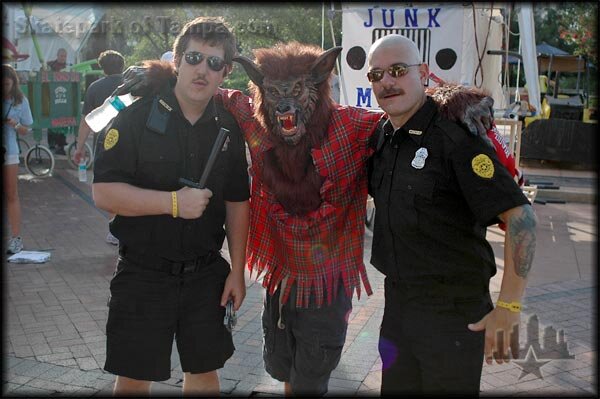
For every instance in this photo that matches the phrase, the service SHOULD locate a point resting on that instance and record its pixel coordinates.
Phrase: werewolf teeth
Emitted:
(288, 122)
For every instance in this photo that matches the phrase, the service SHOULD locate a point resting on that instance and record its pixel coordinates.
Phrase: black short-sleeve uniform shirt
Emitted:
(99, 91)
(436, 189)
(130, 152)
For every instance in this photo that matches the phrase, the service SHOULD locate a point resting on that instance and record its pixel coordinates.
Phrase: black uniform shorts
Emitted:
(425, 344)
(309, 346)
(147, 308)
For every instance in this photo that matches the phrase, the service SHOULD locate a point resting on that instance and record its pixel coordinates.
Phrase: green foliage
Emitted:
(579, 28)
(572, 27)
(237, 79)
(146, 33)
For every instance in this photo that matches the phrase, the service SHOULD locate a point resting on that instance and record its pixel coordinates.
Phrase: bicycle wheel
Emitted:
(39, 161)
(89, 159)
(23, 146)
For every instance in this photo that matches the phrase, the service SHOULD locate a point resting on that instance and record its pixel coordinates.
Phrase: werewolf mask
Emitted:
(288, 86)
(292, 102)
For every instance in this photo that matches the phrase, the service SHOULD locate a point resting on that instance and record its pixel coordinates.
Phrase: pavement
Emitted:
(55, 313)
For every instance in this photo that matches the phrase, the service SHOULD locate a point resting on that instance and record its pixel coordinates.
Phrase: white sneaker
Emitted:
(112, 239)
(15, 245)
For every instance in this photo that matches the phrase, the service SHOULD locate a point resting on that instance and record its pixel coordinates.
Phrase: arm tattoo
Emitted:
(522, 239)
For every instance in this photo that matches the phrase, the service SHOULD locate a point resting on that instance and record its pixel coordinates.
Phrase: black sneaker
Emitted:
(59, 150)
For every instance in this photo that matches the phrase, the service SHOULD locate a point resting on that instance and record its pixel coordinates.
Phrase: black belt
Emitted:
(173, 267)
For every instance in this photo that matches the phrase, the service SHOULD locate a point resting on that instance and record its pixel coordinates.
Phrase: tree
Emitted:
(572, 27)
(578, 27)
(136, 34)
(264, 25)
(141, 34)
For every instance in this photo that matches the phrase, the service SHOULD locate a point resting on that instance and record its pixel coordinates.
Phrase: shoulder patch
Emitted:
(111, 139)
(483, 166)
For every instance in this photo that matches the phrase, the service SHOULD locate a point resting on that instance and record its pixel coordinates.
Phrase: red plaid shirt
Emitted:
(316, 250)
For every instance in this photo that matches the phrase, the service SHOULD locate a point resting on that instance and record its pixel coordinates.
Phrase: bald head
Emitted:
(400, 44)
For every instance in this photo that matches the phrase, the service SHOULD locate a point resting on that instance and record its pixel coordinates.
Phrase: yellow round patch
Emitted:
(112, 136)
(483, 166)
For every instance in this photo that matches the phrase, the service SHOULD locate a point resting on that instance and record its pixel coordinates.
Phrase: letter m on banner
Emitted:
(363, 97)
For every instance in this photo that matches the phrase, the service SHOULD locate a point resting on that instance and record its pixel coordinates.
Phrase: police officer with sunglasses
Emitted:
(171, 281)
(436, 189)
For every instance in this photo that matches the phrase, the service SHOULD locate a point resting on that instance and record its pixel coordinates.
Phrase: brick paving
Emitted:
(55, 313)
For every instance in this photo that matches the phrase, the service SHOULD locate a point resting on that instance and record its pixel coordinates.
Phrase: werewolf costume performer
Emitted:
(309, 190)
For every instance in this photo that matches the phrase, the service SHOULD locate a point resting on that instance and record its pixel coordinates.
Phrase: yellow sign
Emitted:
(483, 166)
(112, 136)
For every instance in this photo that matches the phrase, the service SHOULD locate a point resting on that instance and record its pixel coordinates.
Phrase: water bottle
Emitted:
(82, 171)
(101, 116)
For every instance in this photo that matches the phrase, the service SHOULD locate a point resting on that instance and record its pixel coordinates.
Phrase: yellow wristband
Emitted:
(174, 203)
(513, 306)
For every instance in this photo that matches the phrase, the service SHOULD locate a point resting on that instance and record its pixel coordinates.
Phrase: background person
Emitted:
(16, 120)
(57, 137)
(436, 189)
(60, 62)
(112, 63)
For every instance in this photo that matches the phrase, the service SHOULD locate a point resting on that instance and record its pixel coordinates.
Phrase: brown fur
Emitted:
(288, 169)
(158, 74)
(453, 99)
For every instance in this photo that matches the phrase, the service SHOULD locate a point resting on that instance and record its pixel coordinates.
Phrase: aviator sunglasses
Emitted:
(195, 57)
(395, 71)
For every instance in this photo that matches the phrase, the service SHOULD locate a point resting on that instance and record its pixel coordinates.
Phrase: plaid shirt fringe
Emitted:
(316, 250)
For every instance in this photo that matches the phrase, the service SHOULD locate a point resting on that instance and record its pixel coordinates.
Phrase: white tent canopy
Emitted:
(56, 25)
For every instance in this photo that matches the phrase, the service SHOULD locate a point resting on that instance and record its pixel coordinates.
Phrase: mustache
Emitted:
(200, 79)
(390, 92)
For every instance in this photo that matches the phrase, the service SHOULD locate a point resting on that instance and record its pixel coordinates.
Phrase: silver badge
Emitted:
(419, 160)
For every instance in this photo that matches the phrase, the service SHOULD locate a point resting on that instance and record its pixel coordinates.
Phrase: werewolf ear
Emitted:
(251, 69)
(322, 67)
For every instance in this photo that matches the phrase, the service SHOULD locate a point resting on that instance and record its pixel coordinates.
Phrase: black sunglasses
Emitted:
(395, 71)
(195, 57)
